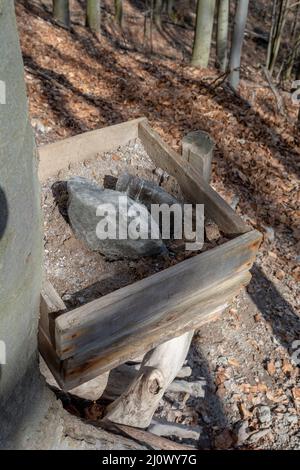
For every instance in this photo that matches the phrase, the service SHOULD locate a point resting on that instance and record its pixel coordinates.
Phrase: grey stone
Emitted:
(85, 197)
(293, 419)
(264, 414)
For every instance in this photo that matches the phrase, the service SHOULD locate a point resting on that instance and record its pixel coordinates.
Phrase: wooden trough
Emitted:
(81, 344)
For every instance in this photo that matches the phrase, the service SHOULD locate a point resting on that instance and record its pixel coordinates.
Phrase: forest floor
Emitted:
(76, 83)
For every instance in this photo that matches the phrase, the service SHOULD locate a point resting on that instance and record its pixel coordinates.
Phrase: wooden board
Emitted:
(192, 183)
(55, 157)
(187, 316)
(120, 312)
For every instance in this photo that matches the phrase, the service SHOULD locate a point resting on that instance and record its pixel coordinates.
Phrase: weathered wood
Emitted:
(51, 306)
(192, 183)
(175, 430)
(121, 377)
(122, 313)
(197, 149)
(86, 342)
(137, 405)
(188, 316)
(144, 437)
(54, 157)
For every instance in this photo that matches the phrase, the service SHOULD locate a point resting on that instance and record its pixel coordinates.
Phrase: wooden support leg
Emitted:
(197, 148)
(137, 405)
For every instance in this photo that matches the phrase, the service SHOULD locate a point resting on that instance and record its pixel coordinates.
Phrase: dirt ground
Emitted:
(249, 357)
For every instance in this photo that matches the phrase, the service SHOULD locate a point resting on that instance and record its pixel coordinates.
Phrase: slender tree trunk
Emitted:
(295, 40)
(272, 33)
(119, 12)
(237, 42)
(93, 16)
(222, 34)
(203, 32)
(170, 8)
(61, 12)
(158, 8)
(279, 16)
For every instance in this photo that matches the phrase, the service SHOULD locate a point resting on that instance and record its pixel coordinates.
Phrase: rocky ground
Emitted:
(249, 357)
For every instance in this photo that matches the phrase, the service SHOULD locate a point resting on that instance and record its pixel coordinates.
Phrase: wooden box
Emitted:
(80, 344)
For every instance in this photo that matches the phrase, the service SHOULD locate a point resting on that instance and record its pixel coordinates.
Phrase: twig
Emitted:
(278, 97)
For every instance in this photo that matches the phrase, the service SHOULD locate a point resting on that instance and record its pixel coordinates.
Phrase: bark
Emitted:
(23, 399)
(119, 12)
(222, 34)
(93, 16)
(203, 32)
(61, 12)
(30, 415)
(237, 42)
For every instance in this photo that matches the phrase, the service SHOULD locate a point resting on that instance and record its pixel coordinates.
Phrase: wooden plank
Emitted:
(102, 321)
(51, 305)
(50, 357)
(191, 181)
(185, 317)
(59, 155)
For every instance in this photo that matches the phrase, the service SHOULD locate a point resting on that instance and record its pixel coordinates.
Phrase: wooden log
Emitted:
(192, 183)
(137, 405)
(197, 149)
(146, 438)
(190, 315)
(100, 323)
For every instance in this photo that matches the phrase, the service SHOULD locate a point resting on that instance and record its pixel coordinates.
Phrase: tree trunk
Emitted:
(119, 12)
(203, 32)
(61, 12)
(279, 16)
(295, 40)
(222, 34)
(20, 244)
(170, 8)
(158, 8)
(237, 42)
(93, 16)
(30, 415)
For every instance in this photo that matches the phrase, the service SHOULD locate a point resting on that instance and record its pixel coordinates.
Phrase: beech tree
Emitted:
(222, 34)
(240, 19)
(31, 417)
(93, 16)
(203, 32)
(61, 12)
(158, 9)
